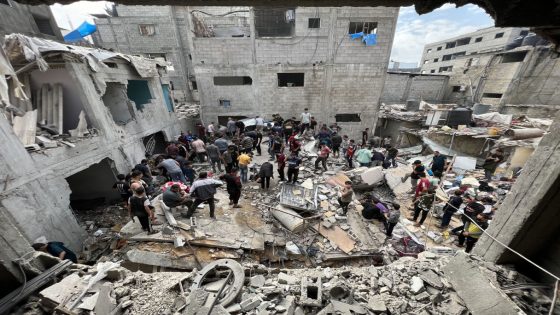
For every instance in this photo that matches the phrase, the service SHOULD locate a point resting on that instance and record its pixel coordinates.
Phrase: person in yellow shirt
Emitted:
(244, 160)
(472, 231)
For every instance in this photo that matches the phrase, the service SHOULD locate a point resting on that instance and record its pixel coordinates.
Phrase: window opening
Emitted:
(366, 27)
(290, 79)
(314, 23)
(147, 29)
(245, 80)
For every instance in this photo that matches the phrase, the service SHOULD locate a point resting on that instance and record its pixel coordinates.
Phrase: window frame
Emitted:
(363, 27)
(312, 25)
(141, 26)
(499, 35)
(288, 82)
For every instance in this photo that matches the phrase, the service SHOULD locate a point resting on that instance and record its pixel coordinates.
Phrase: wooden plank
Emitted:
(337, 236)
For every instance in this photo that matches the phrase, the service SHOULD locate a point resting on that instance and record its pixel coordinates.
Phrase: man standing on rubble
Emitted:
(377, 158)
(491, 163)
(451, 207)
(259, 122)
(221, 143)
(349, 154)
(438, 163)
(244, 160)
(281, 160)
(199, 148)
(293, 167)
(324, 152)
(203, 190)
(211, 129)
(139, 206)
(305, 120)
(417, 169)
(295, 146)
(233, 185)
(470, 212)
(423, 204)
(365, 136)
(346, 196)
(231, 127)
(473, 231)
(392, 153)
(336, 140)
(247, 142)
(214, 157)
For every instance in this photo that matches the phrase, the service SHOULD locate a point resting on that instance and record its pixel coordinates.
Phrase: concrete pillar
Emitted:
(44, 104)
(527, 220)
(60, 107)
(289, 218)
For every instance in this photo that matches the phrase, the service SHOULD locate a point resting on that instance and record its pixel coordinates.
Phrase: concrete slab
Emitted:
(160, 259)
(480, 295)
(373, 175)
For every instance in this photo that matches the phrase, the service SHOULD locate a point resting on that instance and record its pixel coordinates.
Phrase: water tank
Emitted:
(480, 109)
(459, 116)
(530, 40)
(516, 42)
(412, 105)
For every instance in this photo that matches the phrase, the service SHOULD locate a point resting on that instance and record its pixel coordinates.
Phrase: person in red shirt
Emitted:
(295, 146)
(281, 160)
(324, 151)
(423, 185)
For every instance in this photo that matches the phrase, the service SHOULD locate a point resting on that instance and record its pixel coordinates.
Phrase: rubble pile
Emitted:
(186, 110)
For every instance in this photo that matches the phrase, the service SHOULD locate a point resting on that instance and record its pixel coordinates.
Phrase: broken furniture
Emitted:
(299, 197)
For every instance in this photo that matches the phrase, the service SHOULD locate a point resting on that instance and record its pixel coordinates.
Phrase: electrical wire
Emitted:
(228, 13)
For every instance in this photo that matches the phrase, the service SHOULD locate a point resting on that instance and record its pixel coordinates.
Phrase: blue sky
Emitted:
(413, 30)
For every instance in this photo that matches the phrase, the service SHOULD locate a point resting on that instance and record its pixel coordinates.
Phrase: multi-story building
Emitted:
(439, 57)
(33, 20)
(245, 61)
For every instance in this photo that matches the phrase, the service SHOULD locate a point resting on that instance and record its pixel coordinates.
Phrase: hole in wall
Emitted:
(116, 99)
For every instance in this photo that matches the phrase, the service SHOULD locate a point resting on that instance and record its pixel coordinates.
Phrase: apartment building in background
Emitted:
(246, 61)
(31, 20)
(439, 57)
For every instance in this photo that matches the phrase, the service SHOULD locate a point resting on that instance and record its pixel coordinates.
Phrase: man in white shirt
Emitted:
(211, 129)
(259, 123)
(305, 120)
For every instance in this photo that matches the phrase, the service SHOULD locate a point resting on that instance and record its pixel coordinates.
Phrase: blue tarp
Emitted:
(82, 31)
(370, 39)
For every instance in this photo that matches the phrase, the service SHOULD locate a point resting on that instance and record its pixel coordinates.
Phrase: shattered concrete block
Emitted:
(343, 308)
(195, 300)
(284, 278)
(250, 304)
(287, 306)
(424, 296)
(167, 230)
(257, 281)
(327, 224)
(416, 285)
(431, 278)
(126, 304)
(376, 304)
(311, 292)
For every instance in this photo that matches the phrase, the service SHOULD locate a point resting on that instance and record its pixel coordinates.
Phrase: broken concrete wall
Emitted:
(400, 87)
(392, 128)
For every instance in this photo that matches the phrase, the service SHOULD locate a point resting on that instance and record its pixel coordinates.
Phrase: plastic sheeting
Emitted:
(368, 39)
(82, 31)
(495, 117)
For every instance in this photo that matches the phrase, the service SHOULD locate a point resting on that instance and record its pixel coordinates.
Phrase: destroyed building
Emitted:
(245, 61)
(89, 115)
(31, 20)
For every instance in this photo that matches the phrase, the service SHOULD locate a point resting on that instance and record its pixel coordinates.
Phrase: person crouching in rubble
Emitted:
(139, 206)
(423, 204)
(265, 173)
(371, 211)
(473, 231)
(203, 190)
(346, 196)
(175, 197)
(233, 185)
(56, 249)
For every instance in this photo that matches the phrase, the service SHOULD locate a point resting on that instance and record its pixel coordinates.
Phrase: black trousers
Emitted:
(323, 161)
(234, 196)
(145, 222)
(389, 228)
(417, 211)
(343, 205)
(281, 173)
(265, 182)
(293, 174)
(470, 242)
(197, 202)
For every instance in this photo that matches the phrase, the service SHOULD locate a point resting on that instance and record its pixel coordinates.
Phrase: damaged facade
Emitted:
(90, 115)
(244, 61)
(30, 20)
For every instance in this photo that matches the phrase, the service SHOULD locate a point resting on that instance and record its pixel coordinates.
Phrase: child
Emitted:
(190, 173)
(346, 196)
(123, 187)
(392, 219)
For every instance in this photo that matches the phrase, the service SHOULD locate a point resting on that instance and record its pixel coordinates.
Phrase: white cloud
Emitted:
(444, 7)
(72, 15)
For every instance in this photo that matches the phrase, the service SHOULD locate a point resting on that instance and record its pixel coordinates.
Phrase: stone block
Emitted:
(284, 278)
(376, 304)
(311, 292)
(416, 285)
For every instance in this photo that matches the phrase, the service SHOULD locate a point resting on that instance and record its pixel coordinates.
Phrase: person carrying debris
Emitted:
(265, 173)
(244, 160)
(350, 150)
(281, 160)
(423, 204)
(173, 170)
(203, 190)
(139, 206)
(175, 197)
(233, 185)
(473, 231)
(363, 156)
(491, 163)
(56, 249)
(324, 152)
(346, 196)
(293, 167)
(451, 207)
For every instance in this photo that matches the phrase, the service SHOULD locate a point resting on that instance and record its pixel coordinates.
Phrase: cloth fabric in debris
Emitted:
(495, 117)
(370, 39)
(82, 31)
(357, 35)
